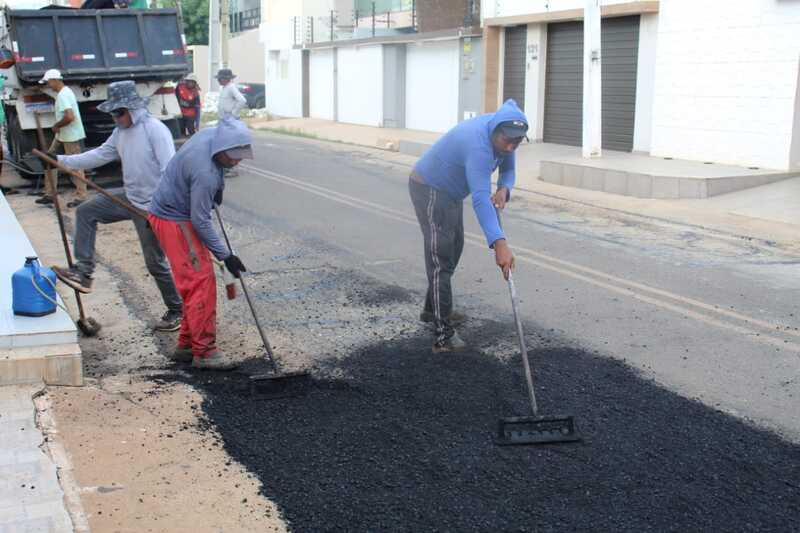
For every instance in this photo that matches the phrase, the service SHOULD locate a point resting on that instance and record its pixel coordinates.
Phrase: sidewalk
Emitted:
(769, 212)
(31, 498)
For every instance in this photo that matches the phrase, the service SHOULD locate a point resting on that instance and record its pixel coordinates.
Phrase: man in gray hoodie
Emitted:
(180, 214)
(144, 145)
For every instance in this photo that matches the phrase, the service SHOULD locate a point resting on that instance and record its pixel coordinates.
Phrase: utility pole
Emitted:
(225, 20)
(592, 80)
(214, 54)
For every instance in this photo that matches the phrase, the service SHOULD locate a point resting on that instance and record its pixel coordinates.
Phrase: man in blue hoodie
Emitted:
(180, 215)
(460, 164)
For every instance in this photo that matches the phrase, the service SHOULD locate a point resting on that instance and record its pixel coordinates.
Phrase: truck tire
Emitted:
(20, 144)
(174, 127)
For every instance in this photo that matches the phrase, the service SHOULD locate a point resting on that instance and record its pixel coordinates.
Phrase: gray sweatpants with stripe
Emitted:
(441, 220)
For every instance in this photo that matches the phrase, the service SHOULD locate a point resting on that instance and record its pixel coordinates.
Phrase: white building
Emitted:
(708, 80)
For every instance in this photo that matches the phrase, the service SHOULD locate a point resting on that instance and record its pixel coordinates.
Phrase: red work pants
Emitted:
(194, 278)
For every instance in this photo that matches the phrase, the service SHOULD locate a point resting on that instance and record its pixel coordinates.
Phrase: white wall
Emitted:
(535, 63)
(507, 8)
(246, 53)
(645, 83)
(321, 84)
(285, 83)
(360, 85)
(432, 85)
(200, 66)
(726, 79)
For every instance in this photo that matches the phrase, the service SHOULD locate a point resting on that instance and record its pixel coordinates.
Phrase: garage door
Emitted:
(514, 65)
(432, 85)
(563, 113)
(563, 96)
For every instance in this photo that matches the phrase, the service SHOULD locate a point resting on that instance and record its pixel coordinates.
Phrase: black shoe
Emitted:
(171, 321)
(74, 278)
(182, 354)
(453, 344)
(44, 200)
(455, 318)
(74, 203)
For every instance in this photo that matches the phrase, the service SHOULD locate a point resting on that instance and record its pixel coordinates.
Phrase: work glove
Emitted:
(234, 265)
(218, 197)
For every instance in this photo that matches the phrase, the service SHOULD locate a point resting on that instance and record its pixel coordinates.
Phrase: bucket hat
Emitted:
(122, 94)
(225, 74)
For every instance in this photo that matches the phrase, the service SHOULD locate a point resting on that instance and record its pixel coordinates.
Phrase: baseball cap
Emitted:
(52, 74)
(513, 129)
(240, 152)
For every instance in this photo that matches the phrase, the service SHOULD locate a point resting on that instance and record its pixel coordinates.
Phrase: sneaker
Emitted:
(182, 354)
(44, 200)
(453, 344)
(74, 203)
(74, 278)
(455, 318)
(171, 321)
(214, 361)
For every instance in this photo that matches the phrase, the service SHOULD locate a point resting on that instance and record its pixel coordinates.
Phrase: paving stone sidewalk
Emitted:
(31, 499)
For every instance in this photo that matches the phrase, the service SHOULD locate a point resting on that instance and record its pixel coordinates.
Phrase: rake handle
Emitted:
(512, 289)
(89, 183)
(260, 328)
(528, 373)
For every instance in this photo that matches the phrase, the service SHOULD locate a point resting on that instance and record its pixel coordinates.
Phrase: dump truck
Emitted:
(91, 48)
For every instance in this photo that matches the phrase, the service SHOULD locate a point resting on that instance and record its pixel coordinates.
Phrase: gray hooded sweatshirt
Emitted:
(192, 180)
(144, 150)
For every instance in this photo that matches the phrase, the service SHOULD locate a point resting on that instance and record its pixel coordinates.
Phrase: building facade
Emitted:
(712, 81)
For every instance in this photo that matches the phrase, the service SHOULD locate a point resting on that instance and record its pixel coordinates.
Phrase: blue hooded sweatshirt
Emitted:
(462, 161)
(192, 179)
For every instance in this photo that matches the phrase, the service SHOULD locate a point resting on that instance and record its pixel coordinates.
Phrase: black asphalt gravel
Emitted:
(404, 443)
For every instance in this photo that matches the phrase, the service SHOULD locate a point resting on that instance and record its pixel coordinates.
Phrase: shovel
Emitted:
(533, 429)
(88, 325)
(276, 384)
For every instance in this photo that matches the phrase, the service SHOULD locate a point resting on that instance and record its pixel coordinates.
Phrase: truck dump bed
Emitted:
(101, 44)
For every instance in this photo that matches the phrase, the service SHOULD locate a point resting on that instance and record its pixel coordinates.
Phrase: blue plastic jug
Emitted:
(33, 289)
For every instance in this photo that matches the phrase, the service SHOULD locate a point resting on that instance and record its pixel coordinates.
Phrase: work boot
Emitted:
(455, 318)
(453, 344)
(171, 321)
(182, 354)
(214, 361)
(74, 278)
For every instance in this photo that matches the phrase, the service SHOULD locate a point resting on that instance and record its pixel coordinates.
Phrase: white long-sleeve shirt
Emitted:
(144, 150)
(231, 102)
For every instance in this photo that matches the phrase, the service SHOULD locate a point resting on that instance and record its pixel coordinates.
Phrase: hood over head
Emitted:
(509, 111)
(231, 133)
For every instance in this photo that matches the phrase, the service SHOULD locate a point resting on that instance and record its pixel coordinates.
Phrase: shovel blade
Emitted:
(274, 386)
(536, 430)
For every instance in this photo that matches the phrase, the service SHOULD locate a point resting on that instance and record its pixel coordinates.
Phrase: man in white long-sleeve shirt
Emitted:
(231, 102)
(144, 146)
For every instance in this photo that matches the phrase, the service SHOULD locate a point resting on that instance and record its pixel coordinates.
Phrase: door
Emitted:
(514, 65)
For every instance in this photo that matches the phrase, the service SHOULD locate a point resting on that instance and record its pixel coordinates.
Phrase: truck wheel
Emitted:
(174, 127)
(21, 143)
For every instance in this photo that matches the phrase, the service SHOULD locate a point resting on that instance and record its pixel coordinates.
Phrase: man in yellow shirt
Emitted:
(69, 133)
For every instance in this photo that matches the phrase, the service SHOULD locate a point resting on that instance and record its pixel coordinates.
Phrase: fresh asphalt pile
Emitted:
(393, 438)
(403, 442)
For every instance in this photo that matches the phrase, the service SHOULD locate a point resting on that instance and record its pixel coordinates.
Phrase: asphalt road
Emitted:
(675, 348)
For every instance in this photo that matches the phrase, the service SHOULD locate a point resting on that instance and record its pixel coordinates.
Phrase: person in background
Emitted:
(69, 133)
(189, 101)
(231, 102)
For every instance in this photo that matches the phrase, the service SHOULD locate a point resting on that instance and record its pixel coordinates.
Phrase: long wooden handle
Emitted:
(125, 205)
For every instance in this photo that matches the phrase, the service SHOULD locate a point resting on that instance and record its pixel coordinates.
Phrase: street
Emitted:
(675, 348)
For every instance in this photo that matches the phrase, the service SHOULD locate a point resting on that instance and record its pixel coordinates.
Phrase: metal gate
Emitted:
(514, 65)
(563, 99)
(563, 112)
